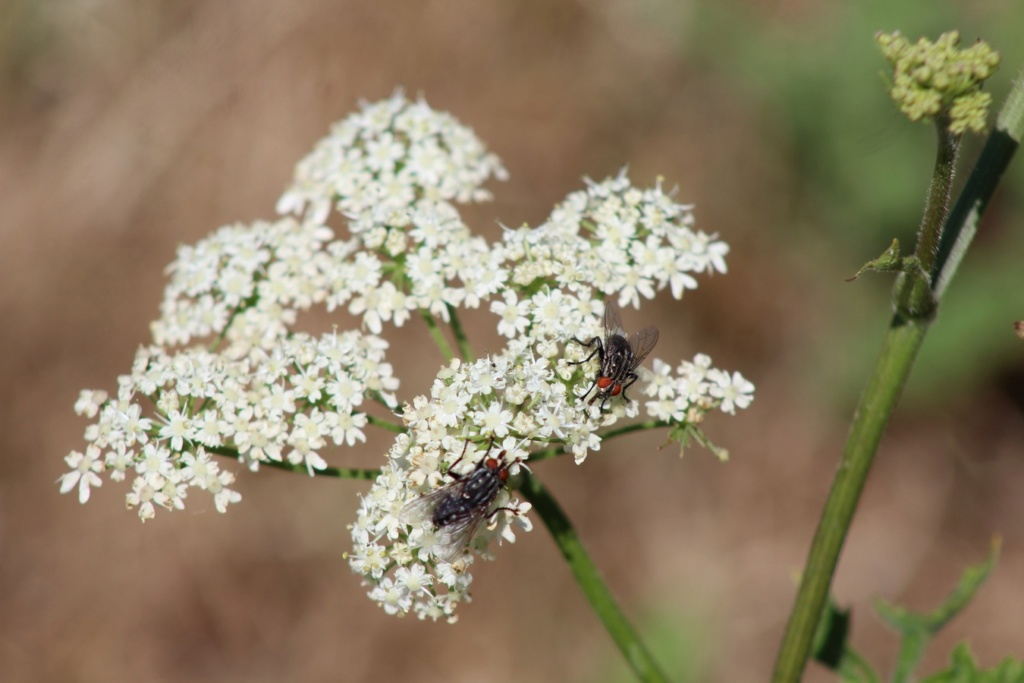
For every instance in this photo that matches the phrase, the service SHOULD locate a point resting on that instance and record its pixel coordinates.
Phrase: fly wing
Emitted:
(419, 510)
(612, 320)
(642, 343)
(453, 537)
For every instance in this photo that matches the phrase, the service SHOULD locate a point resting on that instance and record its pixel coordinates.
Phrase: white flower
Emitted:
(734, 392)
(141, 497)
(85, 469)
(494, 419)
(222, 495)
(177, 428)
(89, 402)
(513, 321)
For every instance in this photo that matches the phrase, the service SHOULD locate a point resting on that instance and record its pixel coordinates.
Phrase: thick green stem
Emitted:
(590, 581)
(899, 348)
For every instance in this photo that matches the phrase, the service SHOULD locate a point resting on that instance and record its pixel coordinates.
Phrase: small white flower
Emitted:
(494, 419)
(89, 402)
(733, 391)
(85, 469)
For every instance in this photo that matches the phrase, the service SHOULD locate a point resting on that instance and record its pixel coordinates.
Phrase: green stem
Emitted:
(438, 335)
(635, 427)
(899, 347)
(385, 424)
(937, 205)
(460, 335)
(590, 581)
(914, 295)
(338, 472)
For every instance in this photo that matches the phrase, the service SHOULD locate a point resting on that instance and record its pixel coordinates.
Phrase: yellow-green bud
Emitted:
(932, 79)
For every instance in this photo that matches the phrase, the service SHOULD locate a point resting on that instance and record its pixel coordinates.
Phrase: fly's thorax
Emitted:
(471, 494)
(618, 358)
(484, 483)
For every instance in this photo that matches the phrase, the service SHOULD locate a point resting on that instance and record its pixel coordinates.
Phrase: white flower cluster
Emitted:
(247, 283)
(384, 160)
(494, 407)
(617, 239)
(282, 408)
(263, 392)
(694, 389)
(392, 171)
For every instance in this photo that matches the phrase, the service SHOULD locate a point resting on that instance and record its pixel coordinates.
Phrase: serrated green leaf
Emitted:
(965, 670)
(917, 630)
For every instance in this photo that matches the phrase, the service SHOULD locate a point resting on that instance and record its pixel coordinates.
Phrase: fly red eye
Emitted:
(491, 463)
(503, 475)
(618, 355)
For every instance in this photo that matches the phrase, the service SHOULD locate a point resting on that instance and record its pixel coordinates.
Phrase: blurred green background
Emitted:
(129, 127)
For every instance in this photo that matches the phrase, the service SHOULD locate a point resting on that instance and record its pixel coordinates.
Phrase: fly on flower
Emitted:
(456, 509)
(619, 356)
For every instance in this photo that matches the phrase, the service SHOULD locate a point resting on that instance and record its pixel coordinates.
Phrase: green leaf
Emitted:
(964, 670)
(889, 261)
(917, 630)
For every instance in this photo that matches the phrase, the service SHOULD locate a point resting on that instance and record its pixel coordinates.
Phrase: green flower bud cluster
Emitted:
(939, 79)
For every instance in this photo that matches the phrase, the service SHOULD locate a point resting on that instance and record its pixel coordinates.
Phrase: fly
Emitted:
(619, 356)
(456, 509)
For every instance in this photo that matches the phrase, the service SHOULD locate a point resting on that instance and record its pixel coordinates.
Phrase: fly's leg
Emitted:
(632, 377)
(492, 515)
(599, 352)
(451, 468)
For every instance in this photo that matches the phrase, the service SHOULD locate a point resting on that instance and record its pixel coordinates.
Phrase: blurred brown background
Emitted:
(130, 127)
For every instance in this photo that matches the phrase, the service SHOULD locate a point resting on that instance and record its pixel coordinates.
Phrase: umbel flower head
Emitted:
(229, 377)
(939, 79)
